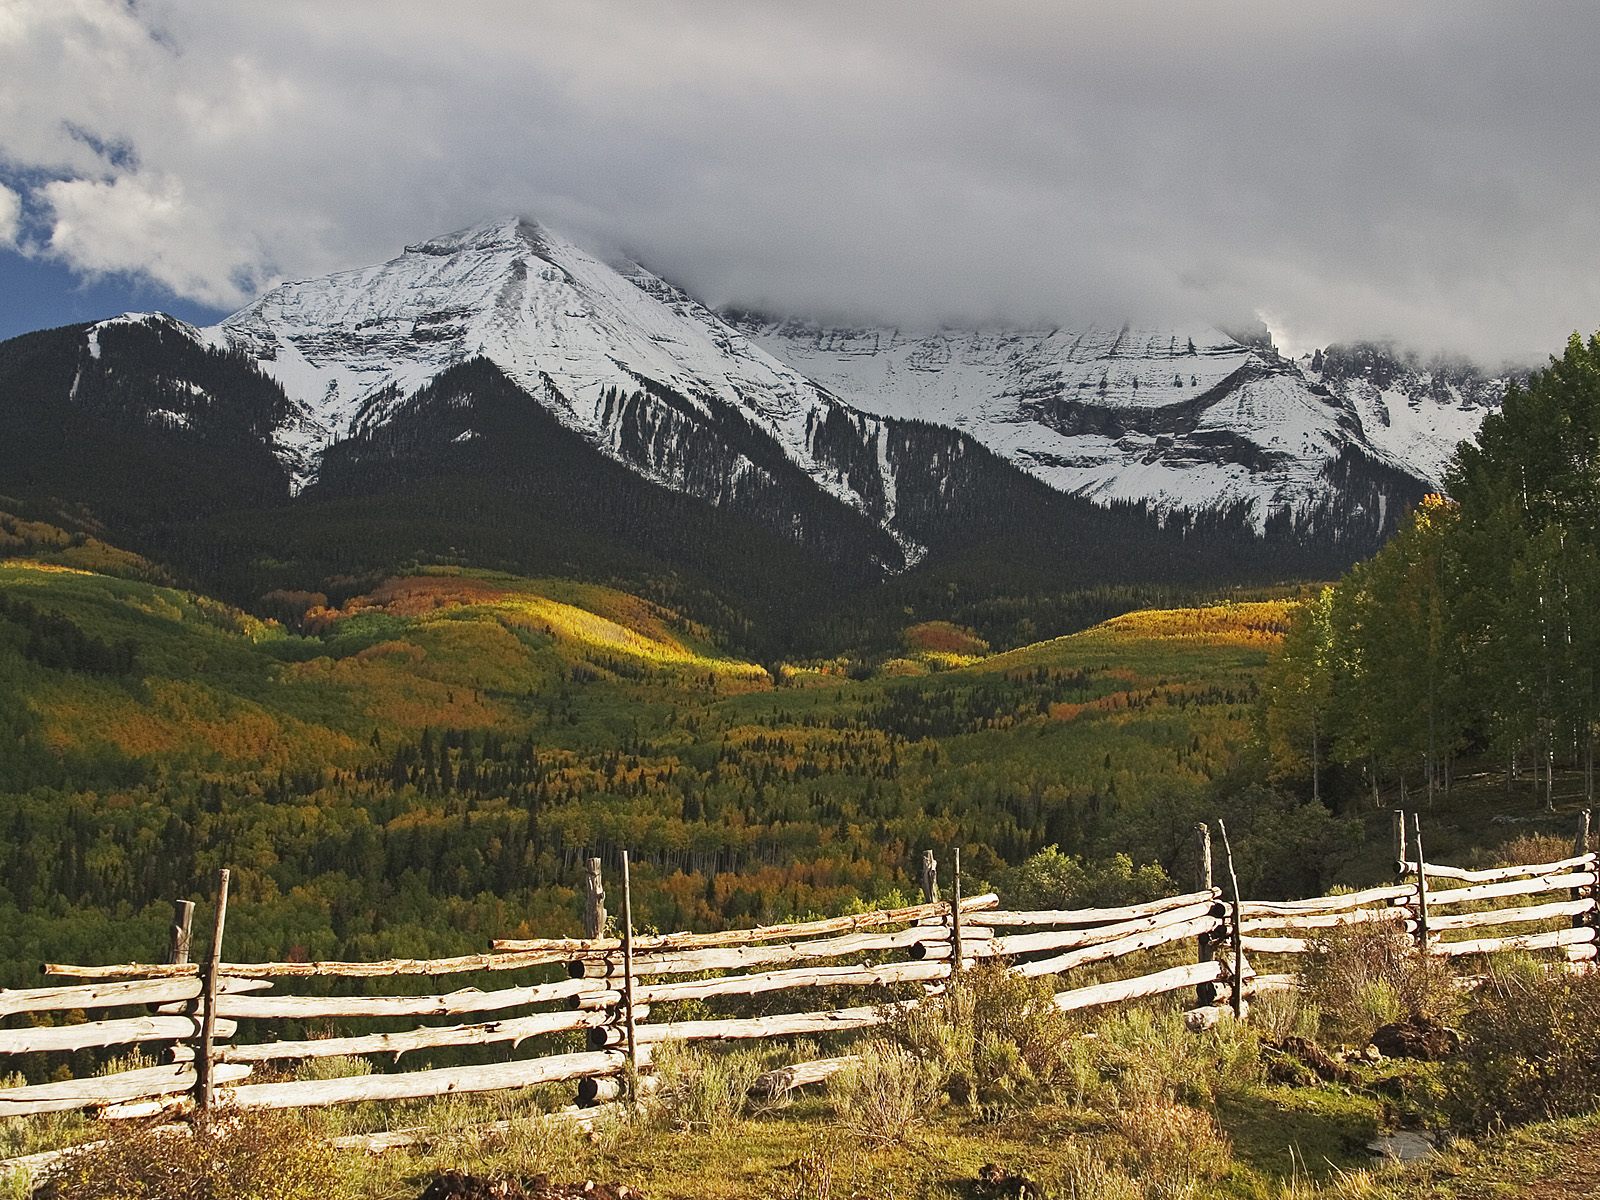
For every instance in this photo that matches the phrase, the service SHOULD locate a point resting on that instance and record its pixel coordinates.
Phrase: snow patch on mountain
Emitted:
(1185, 417)
(721, 406)
(580, 335)
(1415, 411)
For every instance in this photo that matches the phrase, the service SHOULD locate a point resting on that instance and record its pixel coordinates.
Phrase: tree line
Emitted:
(1473, 636)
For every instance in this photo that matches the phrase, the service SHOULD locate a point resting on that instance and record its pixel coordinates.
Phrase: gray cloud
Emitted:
(1426, 171)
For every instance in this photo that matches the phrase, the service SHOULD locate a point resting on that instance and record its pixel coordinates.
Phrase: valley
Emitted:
(424, 766)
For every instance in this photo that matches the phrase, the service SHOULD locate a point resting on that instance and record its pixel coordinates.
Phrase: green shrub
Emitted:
(249, 1156)
(702, 1089)
(1050, 879)
(1176, 1151)
(887, 1093)
(1149, 1058)
(334, 1066)
(1360, 977)
(1283, 1013)
(524, 1144)
(1531, 1048)
(996, 1040)
(1083, 1173)
(46, 1131)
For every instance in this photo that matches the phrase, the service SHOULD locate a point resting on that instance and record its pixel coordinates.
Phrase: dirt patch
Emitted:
(1574, 1176)
(1417, 1038)
(997, 1182)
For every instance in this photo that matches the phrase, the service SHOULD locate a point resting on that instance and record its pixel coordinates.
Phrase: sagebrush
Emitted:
(248, 1156)
(1360, 977)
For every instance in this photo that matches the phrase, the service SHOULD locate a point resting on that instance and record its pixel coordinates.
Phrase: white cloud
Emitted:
(1426, 171)
(10, 215)
(139, 224)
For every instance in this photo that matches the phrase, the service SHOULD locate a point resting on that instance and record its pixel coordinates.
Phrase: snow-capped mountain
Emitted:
(1183, 418)
(1417, 412)
(1179, 418)
(501, 394)
(617, 355)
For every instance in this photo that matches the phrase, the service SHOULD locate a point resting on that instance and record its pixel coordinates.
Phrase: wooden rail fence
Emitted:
(585, 1004)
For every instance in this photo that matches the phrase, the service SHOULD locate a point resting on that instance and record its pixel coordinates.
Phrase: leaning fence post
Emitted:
(179, 935)
(1206, 993)
(929, 877)
(627, 980)
(594, 902)
(204, 1061)
(1422, 882)
(957, 963)
(1237, 923)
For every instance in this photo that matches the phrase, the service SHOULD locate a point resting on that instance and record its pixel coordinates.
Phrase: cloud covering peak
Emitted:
(1425, 171)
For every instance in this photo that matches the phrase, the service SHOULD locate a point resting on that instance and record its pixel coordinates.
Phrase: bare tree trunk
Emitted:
(1549, 775)
(1433, 751)
(1588, 766)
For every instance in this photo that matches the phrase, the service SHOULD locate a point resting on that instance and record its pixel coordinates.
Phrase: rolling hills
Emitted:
(424, 765)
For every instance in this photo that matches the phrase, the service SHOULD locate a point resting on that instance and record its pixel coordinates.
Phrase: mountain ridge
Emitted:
(1180, 418)
(501, 396)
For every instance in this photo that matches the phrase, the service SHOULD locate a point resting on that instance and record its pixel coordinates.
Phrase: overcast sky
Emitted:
(1425, 170)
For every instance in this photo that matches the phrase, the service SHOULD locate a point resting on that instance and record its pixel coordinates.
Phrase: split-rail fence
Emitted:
(217, 1027)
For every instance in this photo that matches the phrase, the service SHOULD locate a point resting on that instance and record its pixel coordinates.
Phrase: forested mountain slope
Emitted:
(423, 766)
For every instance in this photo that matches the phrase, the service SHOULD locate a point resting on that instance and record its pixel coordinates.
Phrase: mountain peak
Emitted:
(1177, 416)
(508, 232)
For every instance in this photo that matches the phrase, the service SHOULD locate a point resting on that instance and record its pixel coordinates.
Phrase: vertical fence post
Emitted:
(1400, 856)
(1422, 882)
(957, 959)
(627, 980)
(179, 935)
(1580, 847)
(205, 1086)
(1206, 993)
(1237, 924)
(594, 902)
(929, 877)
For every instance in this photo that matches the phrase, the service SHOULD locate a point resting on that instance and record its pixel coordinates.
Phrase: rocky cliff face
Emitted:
(1414, 410)
(1183, 419)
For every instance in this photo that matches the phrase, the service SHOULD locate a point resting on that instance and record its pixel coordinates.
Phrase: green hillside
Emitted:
(424, 766)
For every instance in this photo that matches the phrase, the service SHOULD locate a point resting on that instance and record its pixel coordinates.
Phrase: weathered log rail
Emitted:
(213, 1024)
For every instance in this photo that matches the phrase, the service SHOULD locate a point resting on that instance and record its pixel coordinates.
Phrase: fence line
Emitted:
(610, 984)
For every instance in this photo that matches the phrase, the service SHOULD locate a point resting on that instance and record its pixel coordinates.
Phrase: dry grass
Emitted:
(702, 1089)
(244, 1157)
(887, 1094)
